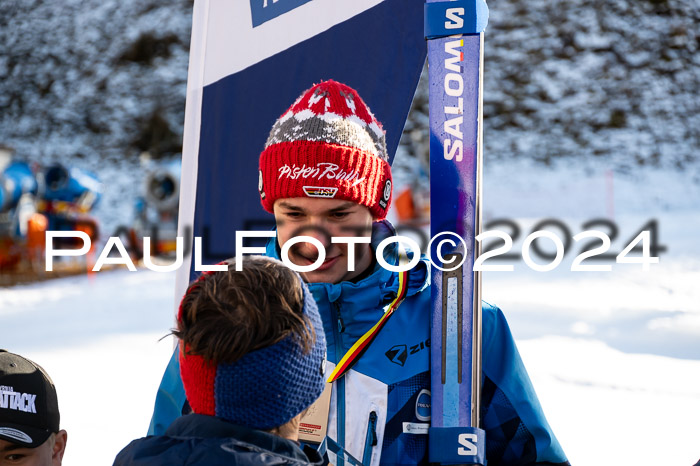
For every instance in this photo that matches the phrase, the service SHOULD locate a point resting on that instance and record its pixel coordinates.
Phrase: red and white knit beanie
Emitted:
(327, 145)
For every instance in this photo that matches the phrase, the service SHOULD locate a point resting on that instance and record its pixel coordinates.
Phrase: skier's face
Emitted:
(49, 453)
(324, 219)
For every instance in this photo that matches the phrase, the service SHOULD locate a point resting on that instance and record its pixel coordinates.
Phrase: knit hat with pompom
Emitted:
(327, 145)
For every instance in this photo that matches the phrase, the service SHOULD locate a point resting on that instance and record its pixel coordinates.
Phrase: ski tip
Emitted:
(447, 18)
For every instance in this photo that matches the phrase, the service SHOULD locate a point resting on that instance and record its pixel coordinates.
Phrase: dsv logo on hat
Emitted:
(320, 191)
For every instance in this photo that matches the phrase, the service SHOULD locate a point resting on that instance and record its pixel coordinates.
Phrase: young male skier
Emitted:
(324, 173)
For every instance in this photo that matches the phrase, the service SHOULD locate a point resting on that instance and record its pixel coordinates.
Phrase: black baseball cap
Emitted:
(28, 401)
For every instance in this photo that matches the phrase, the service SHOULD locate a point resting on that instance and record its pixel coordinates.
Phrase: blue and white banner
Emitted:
(249, 61)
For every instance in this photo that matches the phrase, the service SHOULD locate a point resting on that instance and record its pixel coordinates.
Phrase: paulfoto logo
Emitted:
(440, 251)
(265, 10)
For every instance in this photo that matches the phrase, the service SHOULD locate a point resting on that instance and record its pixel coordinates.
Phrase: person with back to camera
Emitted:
(29, 416)
(252, 355)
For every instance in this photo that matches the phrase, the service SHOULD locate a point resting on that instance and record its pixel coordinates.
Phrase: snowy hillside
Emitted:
(93, 80)
(594, 78)
(94, 83)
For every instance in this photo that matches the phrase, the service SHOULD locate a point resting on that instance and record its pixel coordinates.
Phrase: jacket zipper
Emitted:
(371, 439)
(340, 383)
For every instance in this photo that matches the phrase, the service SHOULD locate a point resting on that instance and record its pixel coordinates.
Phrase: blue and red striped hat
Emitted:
(267, 387)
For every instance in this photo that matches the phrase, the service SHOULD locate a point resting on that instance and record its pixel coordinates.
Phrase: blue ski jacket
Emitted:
(199, 440)
(380, 409)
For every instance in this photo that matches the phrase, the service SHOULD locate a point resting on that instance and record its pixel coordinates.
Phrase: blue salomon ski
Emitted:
(454, 30)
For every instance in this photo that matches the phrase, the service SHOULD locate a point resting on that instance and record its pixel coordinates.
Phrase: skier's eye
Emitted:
(15, 457)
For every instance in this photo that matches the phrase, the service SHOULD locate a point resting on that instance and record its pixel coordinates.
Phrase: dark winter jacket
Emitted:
(380, 408)
(200, 440)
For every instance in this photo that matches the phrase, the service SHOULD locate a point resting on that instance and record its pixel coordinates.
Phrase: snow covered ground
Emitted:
(98, 338)
(614, 356)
